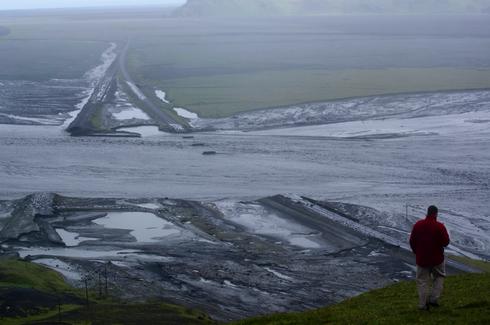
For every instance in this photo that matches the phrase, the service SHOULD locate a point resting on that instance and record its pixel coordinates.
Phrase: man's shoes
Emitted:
(434, 304)
(425, 308)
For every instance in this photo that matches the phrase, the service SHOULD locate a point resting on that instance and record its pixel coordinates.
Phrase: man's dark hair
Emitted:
(432, 210)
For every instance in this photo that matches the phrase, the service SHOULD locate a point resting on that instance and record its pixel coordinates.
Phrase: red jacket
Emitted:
(427, 240)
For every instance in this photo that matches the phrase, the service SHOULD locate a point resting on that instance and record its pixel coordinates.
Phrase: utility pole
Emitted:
(105, 276)
(59, 309)
(100, 284)
(85, 280)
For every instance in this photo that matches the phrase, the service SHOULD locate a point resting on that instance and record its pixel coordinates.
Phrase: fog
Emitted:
(45, 4)
(245, 157)
(318, 7)
(273, 7)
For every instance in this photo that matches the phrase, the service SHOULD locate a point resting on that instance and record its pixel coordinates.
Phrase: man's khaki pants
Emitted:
(427, 276)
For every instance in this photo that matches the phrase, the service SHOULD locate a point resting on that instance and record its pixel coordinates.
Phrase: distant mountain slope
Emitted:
(319, 7)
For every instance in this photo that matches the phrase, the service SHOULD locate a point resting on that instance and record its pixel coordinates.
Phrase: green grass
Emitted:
(223, 95)
(21, 274)
(481, 265)
(48, 314)
(17, 273)
(466, 300)
(96, 119)
(129, 314)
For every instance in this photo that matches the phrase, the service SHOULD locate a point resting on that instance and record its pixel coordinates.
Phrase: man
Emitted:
(427, 240)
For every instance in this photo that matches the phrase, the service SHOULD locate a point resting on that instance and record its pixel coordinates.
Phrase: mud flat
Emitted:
(38, 102)
(231, 258)
(402, 106)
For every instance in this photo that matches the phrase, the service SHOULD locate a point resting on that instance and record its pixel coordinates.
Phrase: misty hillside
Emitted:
(320, 7)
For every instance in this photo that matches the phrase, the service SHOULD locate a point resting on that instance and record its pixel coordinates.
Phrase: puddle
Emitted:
(182, 112)
(61, 267)
(71, 238)
(162, 96)
(130, 113)
(145, 227)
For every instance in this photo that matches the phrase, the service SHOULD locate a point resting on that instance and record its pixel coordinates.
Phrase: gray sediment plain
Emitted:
(232, 259)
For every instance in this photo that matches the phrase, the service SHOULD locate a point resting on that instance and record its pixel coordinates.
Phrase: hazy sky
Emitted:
(30, 4)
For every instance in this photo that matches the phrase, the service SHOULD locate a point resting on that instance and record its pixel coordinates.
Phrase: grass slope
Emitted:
(32, 294)
(466, 300)
(16, 273)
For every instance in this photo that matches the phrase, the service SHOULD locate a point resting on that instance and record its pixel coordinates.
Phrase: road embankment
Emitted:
(94, 119)
(86, 122)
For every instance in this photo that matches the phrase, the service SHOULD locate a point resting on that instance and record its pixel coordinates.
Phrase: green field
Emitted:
(220, 67)
(220, 96)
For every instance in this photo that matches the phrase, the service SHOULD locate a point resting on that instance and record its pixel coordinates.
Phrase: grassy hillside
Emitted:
(15, 273)
(466, 300)
(32, 294)
(317, 7)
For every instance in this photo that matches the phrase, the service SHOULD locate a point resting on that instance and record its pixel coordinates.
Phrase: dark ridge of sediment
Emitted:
(87, 119)
(27, 219)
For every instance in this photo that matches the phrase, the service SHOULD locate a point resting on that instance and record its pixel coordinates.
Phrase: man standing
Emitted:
(427, 240)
